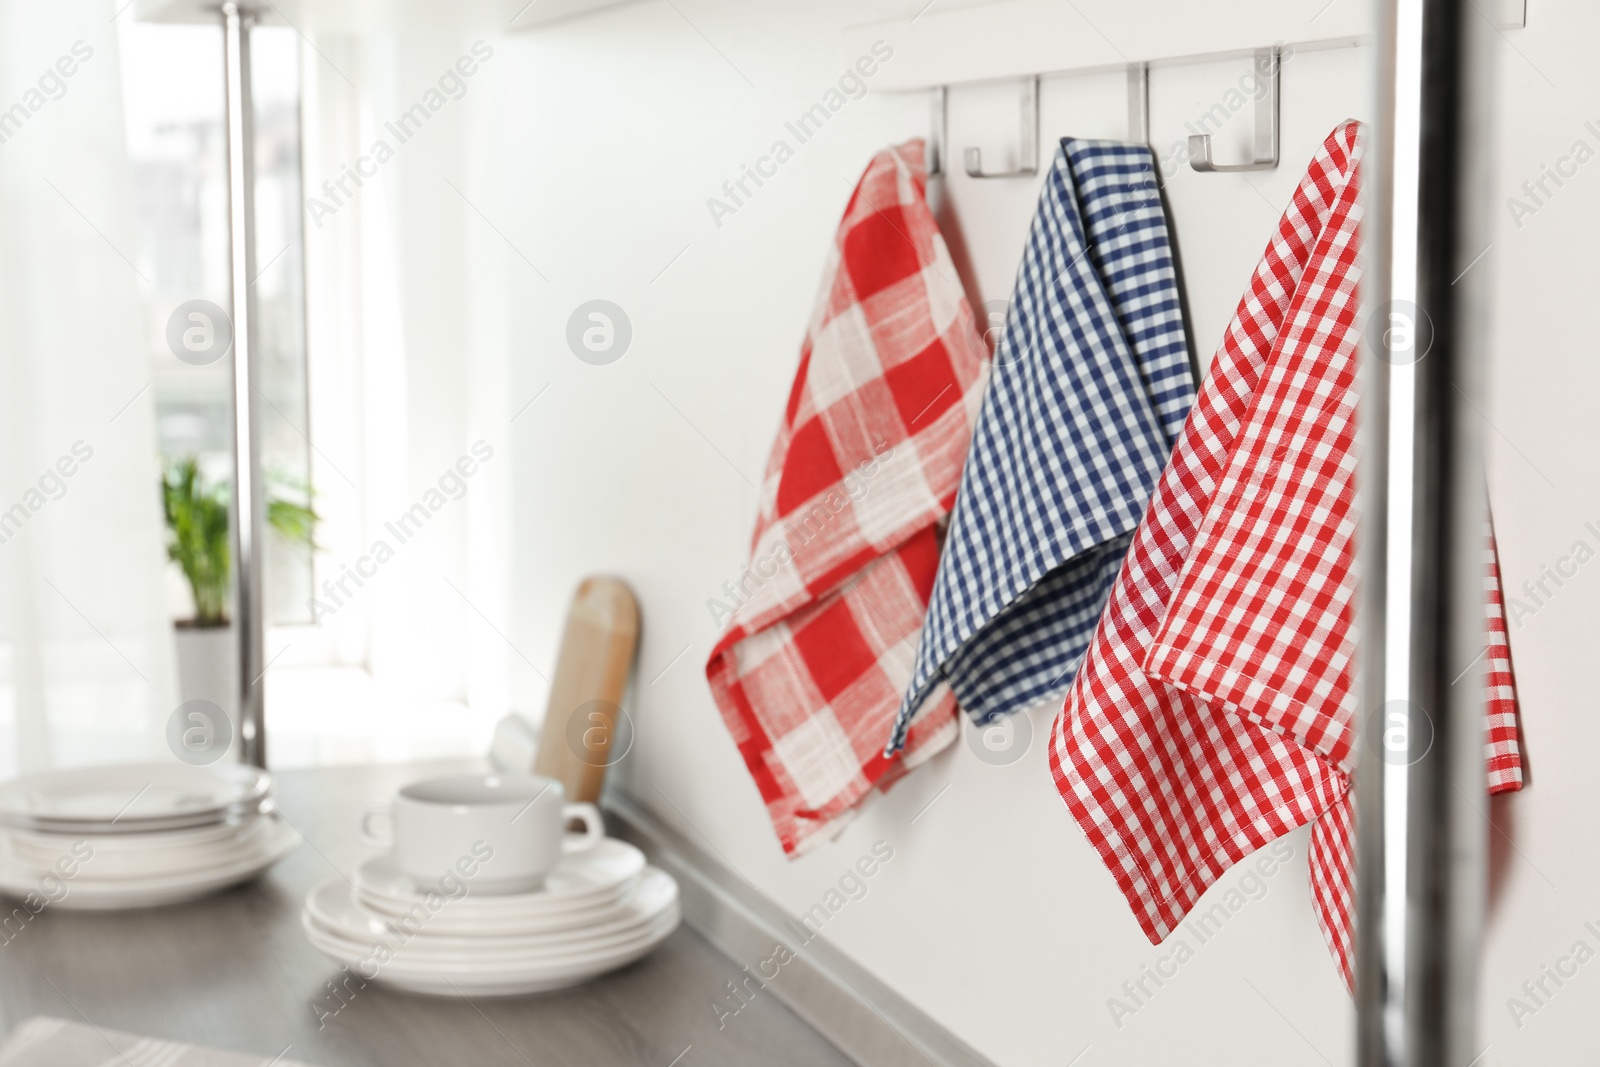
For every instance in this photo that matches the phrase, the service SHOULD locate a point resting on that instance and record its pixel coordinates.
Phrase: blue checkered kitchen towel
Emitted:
(1090, 390)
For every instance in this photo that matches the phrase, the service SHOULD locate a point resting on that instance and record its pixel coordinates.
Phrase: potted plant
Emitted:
(199, 542)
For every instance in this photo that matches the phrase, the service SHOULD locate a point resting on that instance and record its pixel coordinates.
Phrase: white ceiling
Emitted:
(358, 16)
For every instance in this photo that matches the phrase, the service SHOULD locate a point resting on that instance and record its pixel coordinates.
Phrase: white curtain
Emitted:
(408, 364)
(86, 661)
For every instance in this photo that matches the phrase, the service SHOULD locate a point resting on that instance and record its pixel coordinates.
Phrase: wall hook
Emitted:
(1139, 103)
(936, 139)
(1267, 61)
(1028, 153)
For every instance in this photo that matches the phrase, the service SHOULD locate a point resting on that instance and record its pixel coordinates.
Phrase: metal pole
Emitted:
(1422, 834)
(248, 503)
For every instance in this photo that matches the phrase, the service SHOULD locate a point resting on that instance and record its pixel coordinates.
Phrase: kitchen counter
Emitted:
(235, 971)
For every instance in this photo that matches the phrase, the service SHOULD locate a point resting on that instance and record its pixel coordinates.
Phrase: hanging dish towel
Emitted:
(1214, 709)
(866, 465)
(1091, 386)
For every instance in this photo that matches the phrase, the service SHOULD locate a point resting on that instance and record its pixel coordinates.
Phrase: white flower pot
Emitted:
(208, 666)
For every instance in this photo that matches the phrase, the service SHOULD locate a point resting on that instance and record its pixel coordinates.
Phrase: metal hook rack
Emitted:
(1267, 62)
(1139, 103)
(1027, 154)
(940, 125)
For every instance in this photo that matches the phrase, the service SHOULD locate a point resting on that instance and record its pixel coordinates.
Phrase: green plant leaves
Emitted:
(198, 538)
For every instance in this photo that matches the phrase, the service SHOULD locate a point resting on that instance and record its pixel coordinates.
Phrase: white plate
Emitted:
(86, 894)
(331, 906)
(461, 924)
(407, 963)
(580, 880)
(129, 797)
(56, 843)
(156, 858)
(476, 980)
(471, 925)
(485, 984)
(143, 826)
(417, 952)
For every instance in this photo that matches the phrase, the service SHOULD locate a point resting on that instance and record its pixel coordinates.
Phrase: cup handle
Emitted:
(377, 810)
(594, 828)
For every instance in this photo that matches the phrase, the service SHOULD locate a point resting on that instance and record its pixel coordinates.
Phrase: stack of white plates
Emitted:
(137, 835)
(597, 911)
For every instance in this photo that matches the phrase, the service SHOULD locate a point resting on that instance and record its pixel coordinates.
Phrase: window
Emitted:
(173, 88)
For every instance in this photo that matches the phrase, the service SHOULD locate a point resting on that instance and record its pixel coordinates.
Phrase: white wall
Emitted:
(1544, 447)
(995, 916)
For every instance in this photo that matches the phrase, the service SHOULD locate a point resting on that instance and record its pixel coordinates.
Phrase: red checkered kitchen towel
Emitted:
(865, 469)
(1214, 710)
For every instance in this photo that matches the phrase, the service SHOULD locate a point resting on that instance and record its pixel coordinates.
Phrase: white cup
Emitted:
(500, 833)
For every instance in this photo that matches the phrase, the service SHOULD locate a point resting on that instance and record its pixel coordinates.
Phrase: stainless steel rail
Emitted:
(1422, 834)
(248, 491)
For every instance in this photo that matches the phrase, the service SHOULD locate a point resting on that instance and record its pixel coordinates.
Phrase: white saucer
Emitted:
(581, 880)
(84, 893)
(129, 797)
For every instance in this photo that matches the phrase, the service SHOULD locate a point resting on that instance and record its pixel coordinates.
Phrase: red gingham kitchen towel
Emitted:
(1333, 837)
(865, 468)
(1212, 714)
(1503, 749)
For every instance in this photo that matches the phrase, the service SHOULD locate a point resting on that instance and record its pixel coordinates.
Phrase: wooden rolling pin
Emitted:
(581, 720)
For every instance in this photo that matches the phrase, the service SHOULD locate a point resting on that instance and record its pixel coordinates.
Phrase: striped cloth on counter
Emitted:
(44, 1041)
